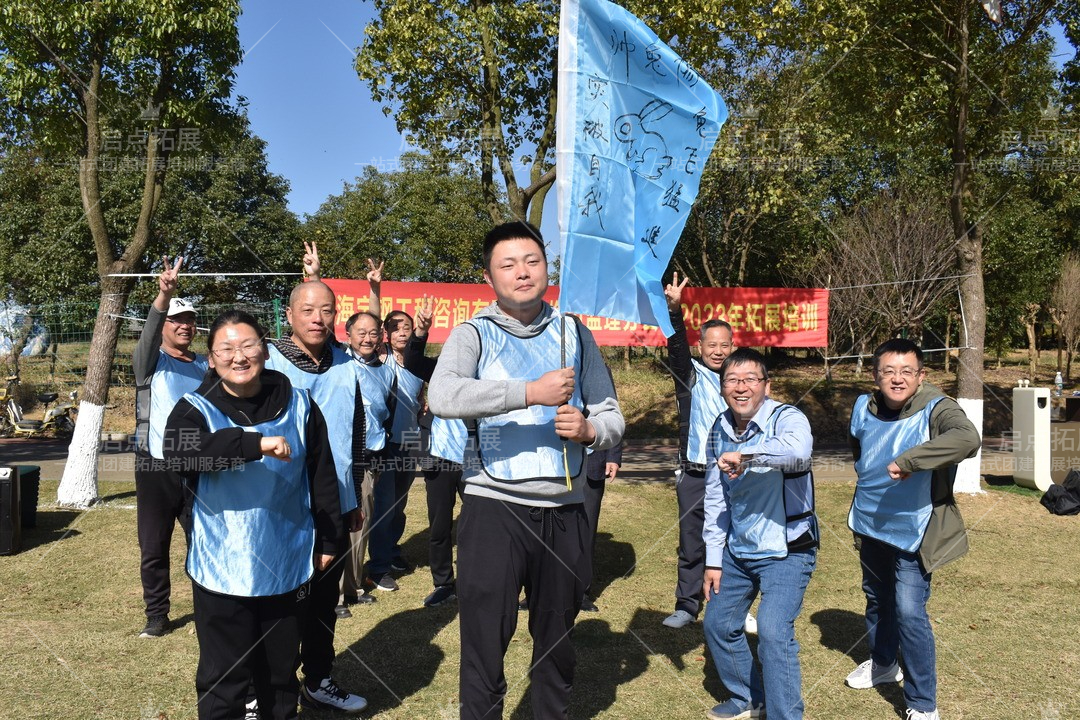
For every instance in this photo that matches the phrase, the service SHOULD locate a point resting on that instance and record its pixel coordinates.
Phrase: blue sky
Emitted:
(306, 101)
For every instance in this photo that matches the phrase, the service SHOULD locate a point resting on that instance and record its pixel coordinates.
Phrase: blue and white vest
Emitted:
(706, 405)
(252, 529)
(522, 444)
(767, 506)
(376, 384)
(334, 391)
(407, 404)
(172, 379)
(896, 512)
(449, 438)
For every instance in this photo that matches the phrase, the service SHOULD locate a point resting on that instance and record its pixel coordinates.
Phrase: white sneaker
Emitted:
(869, 674)
(751, 624)
(329, 696)
(918, 715)
(678, 619)
(251, 710)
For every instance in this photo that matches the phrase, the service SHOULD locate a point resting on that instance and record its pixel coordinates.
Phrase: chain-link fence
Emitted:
(48, 347)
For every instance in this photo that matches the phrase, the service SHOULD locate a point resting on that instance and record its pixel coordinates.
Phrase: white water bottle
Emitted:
(1058, 385)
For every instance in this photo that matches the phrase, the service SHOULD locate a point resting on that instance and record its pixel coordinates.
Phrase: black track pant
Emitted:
(502, 548)
(243, 641)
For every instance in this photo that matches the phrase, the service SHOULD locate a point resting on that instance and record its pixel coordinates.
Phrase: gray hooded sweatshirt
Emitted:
(457, 392)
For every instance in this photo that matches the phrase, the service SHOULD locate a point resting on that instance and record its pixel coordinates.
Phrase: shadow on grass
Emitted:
(608, 659)
(845, 631)
(393, 660)
(117, 496)
(612, 560)
(51, 526)
(1005, 483)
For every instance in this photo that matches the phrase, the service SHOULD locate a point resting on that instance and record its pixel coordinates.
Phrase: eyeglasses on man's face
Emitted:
(747, 381)
(906, 373)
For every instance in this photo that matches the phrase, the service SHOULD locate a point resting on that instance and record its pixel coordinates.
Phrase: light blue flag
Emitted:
(635, 126)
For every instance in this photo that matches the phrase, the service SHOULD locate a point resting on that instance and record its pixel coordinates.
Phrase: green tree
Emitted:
(477, 79)
(76, 75)
(426, 222)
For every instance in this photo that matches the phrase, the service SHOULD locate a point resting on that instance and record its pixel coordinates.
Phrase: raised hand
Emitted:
(168, 278)
(311, 261)
(673, 292)
(425, 310)
(374, 274)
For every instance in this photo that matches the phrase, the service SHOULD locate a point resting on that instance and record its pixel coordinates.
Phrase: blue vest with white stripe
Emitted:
(376, 384)
(896, 512)
(764, 501)
(252, 529)
(522, 444)
(334, 391)
(407, 405)
(706, 404)
(172, 379)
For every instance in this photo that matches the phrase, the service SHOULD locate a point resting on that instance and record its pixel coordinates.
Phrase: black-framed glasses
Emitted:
(747, 381)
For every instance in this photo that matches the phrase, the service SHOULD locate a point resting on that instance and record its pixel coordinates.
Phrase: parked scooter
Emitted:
(58, 420)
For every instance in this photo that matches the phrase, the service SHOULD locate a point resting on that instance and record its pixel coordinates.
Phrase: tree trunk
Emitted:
(78, 487)
(969, 376)
(1029, 327)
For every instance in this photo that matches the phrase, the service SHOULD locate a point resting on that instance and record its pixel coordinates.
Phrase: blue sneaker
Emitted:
(733, 710)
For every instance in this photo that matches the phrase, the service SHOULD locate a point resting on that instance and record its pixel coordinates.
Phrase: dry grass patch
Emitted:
(1004, 619)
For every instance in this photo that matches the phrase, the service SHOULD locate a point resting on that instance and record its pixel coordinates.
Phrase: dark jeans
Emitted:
(690, 491)
(161, 498)
(897, 591)
(391, 496)
(443, 486)
(245, 641)
(502, 548)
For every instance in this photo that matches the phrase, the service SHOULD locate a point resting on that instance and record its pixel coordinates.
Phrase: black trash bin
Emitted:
(29, 483)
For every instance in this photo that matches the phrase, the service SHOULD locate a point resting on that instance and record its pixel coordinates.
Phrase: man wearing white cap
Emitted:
(165, 369)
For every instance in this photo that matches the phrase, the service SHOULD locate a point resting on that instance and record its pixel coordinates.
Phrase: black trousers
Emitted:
(502, 548)
(443, 485)
(161, 498)
(245, 641)
(594, 495)
(690, 492)
(320, 620)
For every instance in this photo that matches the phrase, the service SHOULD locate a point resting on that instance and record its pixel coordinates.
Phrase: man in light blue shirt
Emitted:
(761, 537)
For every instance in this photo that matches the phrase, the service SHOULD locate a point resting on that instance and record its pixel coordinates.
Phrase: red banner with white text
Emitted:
(778, 317)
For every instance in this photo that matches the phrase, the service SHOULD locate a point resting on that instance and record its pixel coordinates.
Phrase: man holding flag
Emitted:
(534, 391)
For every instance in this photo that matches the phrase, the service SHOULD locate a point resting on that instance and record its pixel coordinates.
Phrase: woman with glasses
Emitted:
(265, 515)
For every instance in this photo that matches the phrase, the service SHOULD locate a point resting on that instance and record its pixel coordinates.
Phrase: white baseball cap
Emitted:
(179, 306)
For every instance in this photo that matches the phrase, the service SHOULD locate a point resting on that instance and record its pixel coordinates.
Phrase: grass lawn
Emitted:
(1004, 616)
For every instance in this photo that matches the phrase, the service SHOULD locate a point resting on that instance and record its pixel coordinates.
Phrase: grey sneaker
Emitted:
(869, 674)
(328, 696)
(678, 619)
(156, 626)
(385, 582)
